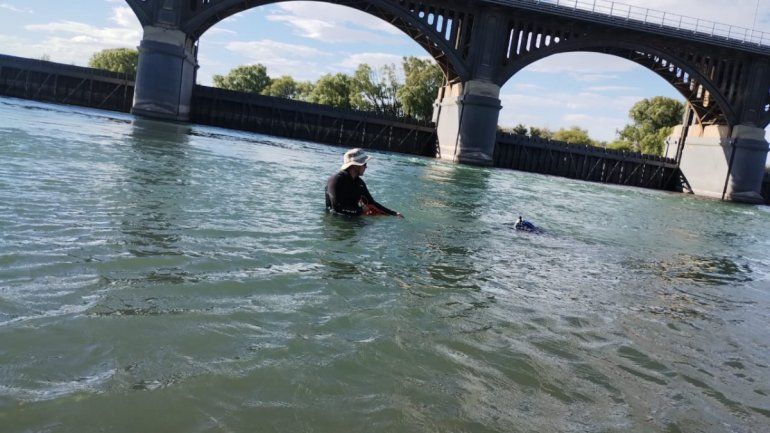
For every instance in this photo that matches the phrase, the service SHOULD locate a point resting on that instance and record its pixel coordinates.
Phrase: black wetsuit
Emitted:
(343, 195)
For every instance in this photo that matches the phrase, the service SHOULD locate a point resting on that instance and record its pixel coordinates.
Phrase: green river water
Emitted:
(170, 278)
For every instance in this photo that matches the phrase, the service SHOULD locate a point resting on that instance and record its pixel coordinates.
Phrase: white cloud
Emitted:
(600, 127)
(585, 67)
(516, 102)
(338, 14)
(220, 31)
(299, 61)
(13, 8)
(75, 42)
(107, 36)
(333, 23)
(737, 12)
(209, 68)
(601, 89)
(582, 63)
(593, 78)
(527, 87)
(16, 46)
(565, 109)
(267, 48)
(124, 17)
(375, 60)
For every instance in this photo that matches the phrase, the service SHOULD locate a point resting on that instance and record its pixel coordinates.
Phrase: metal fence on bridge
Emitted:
(619, 13)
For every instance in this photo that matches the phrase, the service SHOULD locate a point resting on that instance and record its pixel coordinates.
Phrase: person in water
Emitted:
(524, 225)
(346, 192)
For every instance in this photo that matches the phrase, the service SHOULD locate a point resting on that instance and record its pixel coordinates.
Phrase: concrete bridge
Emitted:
(722, 71)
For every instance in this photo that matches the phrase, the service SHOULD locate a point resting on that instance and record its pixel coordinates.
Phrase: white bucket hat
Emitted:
(354, 157)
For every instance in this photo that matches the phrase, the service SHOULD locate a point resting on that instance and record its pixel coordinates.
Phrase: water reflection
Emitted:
(340, 229)
(342, 234)
(463, 195)
(462, 189)
(155, 187)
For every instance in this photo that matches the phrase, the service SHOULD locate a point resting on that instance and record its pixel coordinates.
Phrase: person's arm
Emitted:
(344, 197)
(368, 199)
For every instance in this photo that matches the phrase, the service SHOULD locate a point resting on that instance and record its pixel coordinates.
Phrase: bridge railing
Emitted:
(658, 18)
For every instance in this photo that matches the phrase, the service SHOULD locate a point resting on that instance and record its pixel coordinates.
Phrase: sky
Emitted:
(309, 39)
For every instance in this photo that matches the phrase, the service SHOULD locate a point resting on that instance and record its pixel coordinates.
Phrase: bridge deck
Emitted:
(650, 21)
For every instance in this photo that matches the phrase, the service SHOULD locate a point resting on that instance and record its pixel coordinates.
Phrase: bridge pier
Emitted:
(724, 164)
(467, 111)
(166, 74)
(466, 116)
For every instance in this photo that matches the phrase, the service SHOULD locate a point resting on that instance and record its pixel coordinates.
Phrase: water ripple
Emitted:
(191, 273)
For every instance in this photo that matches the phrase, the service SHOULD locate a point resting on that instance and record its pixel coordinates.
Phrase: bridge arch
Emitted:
(442, 32)
(140, 10)
(481, 44)
(709, 99)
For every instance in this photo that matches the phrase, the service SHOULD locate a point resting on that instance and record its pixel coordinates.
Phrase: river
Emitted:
(171, 278)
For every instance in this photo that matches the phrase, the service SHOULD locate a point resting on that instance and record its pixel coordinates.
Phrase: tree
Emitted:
(658, 112)
(520, 129)
(653, 120)
(122, 60)
(422, 80)
(282, 87)
(304, 90)
(332, 90)
(544, 133)
(621, 145)
(574, 135)
(375, 90)
(246, 78)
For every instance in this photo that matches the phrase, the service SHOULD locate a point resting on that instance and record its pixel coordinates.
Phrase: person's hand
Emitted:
(400, 215)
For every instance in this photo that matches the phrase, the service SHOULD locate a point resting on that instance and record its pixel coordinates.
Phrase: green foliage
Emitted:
(304, 90)
(519, 129)
(653, 120)
(621, 145)
(332, 90)
(423, 79)
(574, 135)
(544, 133)
(247, 78)
(122, 60)
(658, 112)
(655, 144)
(375, 90)
(368, 89)
(282, 87)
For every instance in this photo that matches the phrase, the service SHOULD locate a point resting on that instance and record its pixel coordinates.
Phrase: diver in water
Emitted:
(526, 226)
(346, 192)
